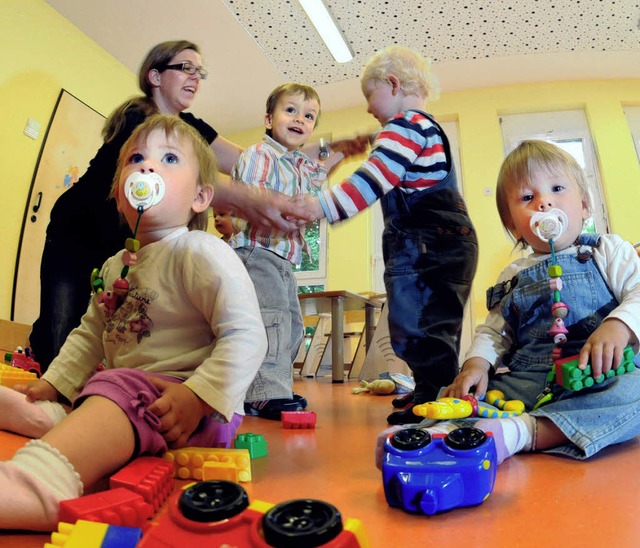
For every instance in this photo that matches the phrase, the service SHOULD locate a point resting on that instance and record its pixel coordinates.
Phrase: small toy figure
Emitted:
(469, 406)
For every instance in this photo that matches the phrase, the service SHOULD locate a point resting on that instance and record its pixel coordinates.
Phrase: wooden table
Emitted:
(335, 303)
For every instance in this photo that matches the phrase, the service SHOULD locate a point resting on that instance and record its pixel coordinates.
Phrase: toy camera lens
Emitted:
(465, 438)
(410, 439)
(209, 501)
(302, 523)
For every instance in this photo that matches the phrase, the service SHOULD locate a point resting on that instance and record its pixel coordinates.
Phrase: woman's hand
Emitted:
(39, 390)
(179, 410)
(605, 346)
(475, 373)
(259, 206)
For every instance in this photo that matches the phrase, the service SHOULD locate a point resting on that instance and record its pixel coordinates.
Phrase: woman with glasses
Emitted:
(85, 229)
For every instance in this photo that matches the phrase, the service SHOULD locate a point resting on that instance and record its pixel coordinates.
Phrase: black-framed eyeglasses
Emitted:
(188, 68)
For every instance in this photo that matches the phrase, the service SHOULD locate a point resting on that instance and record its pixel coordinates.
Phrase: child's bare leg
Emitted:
(548, 435)
(90, 443)
(97, 438)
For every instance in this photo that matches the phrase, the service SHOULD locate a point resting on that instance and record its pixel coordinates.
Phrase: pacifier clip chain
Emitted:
(559, 310)
(120, 290)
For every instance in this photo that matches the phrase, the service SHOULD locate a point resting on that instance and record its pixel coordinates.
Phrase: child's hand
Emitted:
(351, 147)
(179, 410)
(604, 347)
(475, 372)
(39, 390)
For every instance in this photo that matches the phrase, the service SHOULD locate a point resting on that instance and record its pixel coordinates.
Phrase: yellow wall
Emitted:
(42, 53)
(45, 53)
(477, 113)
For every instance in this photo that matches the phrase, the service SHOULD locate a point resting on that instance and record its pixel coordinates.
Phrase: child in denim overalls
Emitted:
(601, 288)
(429, 243)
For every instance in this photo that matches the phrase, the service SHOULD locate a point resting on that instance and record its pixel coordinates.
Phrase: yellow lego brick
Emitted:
(10, 376)
(223, 471)
(188, 462)
(84, 534)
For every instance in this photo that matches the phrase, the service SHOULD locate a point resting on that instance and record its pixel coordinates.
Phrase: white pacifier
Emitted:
(144, 189)
(549, 225)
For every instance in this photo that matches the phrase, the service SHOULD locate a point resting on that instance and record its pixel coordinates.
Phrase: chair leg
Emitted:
(317, 347)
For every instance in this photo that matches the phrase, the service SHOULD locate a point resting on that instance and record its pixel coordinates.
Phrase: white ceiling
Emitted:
(251, 46)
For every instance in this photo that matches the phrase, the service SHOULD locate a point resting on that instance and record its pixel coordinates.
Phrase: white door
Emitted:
(377, 225)
(72, 140)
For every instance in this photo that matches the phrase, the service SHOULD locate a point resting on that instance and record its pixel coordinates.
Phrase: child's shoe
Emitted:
(402, 400)
(405, 416)
(272, 409)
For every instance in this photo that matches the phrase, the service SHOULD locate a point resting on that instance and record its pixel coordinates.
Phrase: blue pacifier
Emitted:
(549, 225)
(144, 189)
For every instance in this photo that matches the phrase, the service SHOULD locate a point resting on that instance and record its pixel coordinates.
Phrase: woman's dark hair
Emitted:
(158, 58)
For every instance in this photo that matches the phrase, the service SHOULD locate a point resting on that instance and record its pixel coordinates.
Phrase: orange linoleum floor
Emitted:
(537, 501)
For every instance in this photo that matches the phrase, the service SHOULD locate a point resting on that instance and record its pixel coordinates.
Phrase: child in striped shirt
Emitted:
(429, 243)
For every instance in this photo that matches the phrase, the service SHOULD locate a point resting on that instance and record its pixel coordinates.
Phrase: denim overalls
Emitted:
(430, 253)
(592, 418)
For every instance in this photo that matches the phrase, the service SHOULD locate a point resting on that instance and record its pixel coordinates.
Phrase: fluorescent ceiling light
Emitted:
(328, 30)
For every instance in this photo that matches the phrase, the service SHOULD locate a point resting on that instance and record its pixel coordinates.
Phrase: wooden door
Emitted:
(72, 140)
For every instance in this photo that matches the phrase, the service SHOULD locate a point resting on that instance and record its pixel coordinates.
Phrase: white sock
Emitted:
(511, 435)
(31, 419)
(443, 427)
(32, 484)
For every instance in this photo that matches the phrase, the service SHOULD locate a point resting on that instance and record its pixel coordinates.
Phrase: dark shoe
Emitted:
(405, 416)
(402, 400)
(272, 409)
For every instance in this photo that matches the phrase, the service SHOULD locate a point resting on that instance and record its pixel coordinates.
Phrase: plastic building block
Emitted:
(114, 507)
(567, 374)
(150, 477)
(427, 474)
(89, 534)
(298, 419)
(10, 376)
(189, 461)
(254, 443)
(23, 360)
(218, 513)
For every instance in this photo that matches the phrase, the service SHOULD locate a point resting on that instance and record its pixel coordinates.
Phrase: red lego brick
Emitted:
(298, 419)
(114, 507)
(150, 477)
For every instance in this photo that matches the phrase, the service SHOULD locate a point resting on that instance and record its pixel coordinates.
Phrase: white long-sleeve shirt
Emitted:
(191, 313)
(620, 266)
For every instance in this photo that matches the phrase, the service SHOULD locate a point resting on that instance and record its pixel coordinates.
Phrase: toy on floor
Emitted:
(428, 474)
(10, 376)
(299, 420)
(379, 386)
(90, 534)
(23, 359)
(404, 383)
(254, 443)
(495, 406)
(210, 463)
(218, 513)
(150, 477)
(118, 506)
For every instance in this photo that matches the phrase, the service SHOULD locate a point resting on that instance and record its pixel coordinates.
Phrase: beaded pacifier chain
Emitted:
(142, 190)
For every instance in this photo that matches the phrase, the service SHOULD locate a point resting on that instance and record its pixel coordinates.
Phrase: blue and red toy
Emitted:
(427, 474)
(218, 513)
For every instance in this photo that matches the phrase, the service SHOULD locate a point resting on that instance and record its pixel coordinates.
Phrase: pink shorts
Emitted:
(130, 390)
